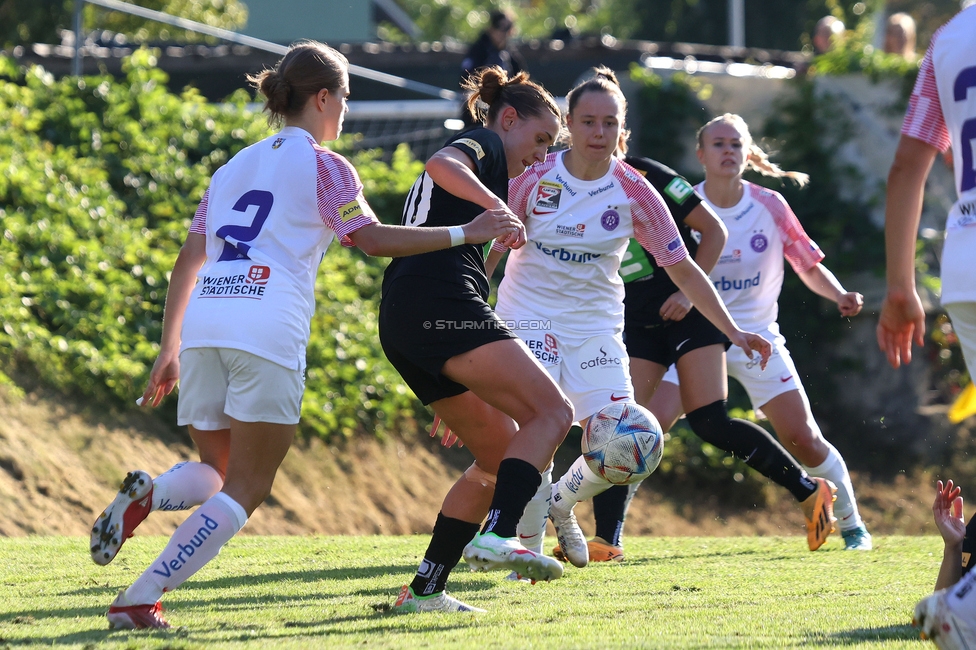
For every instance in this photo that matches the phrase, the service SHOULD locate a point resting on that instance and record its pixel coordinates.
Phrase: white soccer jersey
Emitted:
(942, 112)
(749, 274)
(268, 217)
(577, 234)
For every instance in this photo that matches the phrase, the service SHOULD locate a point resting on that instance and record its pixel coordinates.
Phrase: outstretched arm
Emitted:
(695, 284)
(902, 318)
(822, 282)
(713, 237)
(947, 510)
(379, 239)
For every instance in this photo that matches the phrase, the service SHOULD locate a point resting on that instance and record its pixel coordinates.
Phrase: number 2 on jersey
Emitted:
(263, 200)
(967, 137)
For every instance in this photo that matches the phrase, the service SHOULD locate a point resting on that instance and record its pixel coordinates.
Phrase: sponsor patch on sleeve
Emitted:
(675, 245)
(350, 210)
(473, 145)
(678, 189)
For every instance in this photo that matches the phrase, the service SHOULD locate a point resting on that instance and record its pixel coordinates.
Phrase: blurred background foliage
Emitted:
(99, 179)
(771, 24)
(40, 21)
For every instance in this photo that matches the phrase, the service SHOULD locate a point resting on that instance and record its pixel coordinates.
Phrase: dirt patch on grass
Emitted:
(61, 462)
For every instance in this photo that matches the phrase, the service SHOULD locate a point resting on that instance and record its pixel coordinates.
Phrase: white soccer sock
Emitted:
(197, 541)
(185, 485)
(532, 525)
(834, 469)
(579, 483)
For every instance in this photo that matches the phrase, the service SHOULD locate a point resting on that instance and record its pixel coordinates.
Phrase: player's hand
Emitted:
(497, 223)
(902, 320)
(947, 510)
(675, 307)
(162, 378)
(448, 438)
(850, 304)
(753, 343)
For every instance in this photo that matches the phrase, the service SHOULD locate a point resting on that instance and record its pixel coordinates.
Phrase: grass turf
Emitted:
(300, 592)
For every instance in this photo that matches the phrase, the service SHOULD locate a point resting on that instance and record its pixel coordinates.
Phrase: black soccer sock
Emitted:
(609, 509)
(515, 486)
(443, 553)
(753, 444)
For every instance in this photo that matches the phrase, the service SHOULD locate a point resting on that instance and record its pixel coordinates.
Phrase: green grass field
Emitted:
(301, 592)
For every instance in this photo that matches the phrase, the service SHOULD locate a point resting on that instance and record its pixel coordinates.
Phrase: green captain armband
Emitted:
(635, 264)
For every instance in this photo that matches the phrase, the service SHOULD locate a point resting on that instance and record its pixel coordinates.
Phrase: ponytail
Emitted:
(756, 159)
(490, 90)
(759, 161)
(307, 68)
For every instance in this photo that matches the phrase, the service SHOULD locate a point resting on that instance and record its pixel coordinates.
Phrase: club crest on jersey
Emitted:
(350, 210)
(759, 242)
(610, 220)
(576, 231)
(258, 274)
(473, 145)
(547, 197)
(277, 143)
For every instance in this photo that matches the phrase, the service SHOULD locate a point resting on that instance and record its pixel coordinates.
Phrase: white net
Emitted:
(423, 124)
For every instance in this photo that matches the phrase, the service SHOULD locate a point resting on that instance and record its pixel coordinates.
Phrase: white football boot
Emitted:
(570, 535)
(488, 551)
(409, 602)
(935, 617)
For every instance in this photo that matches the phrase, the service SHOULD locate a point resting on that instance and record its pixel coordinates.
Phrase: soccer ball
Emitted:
(623, 443)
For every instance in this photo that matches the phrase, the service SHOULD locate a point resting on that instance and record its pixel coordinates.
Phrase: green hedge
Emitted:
(99, 181)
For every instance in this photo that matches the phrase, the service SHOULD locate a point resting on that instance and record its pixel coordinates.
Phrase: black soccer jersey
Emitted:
(969, 546)
(647, 286)
(430, 205)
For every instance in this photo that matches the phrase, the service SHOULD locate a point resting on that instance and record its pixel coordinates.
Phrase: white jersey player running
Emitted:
(763, 231)
(941, 113)
(562, 293)
(236, 321)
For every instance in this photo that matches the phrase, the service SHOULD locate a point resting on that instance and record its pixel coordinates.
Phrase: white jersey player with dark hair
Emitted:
(237, 320)
(941, 114)
(581, 207)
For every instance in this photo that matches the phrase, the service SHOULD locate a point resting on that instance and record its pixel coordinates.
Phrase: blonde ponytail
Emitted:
(756, 158)
(759, 161)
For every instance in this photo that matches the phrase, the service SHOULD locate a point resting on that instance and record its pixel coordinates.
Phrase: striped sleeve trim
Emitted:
(802, 252)
(924, 119)
(339, 193)
(199, 224)
(654, 227)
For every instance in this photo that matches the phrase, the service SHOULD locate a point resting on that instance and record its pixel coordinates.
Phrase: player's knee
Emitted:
(805, 442)
(552, 415)
(477, 475)
(711, 424)
(563, 416)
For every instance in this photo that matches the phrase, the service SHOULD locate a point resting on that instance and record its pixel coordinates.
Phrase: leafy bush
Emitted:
(98, 182)
(669, 112)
